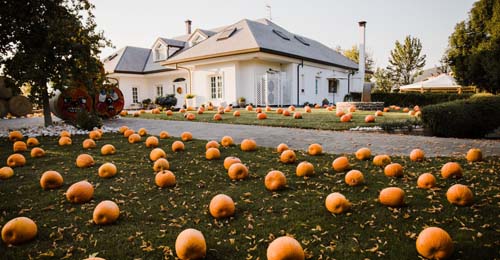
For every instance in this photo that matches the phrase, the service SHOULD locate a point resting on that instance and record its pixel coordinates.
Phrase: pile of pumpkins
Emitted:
(432, 242)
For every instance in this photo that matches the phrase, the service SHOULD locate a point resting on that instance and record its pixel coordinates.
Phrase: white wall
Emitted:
(126, 83)
(201, 86)
(308, 75)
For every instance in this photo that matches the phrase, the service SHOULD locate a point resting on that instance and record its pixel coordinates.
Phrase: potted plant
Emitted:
(242, 101)
(190, 100)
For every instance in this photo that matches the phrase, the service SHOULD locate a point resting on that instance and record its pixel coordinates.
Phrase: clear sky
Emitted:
(332, 22)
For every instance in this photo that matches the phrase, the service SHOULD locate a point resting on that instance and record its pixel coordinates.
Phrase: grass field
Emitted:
(151, 218)
(317, 119)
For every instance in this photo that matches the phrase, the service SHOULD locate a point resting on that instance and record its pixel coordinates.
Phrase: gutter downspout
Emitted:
(298, 81)
(190, 77)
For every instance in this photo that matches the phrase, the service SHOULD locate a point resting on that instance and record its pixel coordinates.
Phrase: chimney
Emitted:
(188, 26)
(362, 27)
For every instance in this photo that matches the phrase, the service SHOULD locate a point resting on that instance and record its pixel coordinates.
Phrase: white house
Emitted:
(255, 59)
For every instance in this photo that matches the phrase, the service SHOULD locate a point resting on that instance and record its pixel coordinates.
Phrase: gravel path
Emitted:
(332, 141)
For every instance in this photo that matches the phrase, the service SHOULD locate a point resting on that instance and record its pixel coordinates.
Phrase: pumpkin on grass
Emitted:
(417, 155)
(230, 160)
(285, 248)
(84, 160)
(19, 147)
(460, 195)
(161, 164)
(37, 152)
(164, 135)
(341, 164)
(212, 144)
(474, 155)
(212, 154)
(304, 169)
(369, 119)
(18, 231)
(16, 160)
(288, 156)
(227, 141)
(88, 144)
(177, 146)
(152, 142)
(64, 141)
(128, 133)
(434, 243)
(32, 141)
(451, 170)
(217, 117)
(190, 245)
(122, 129)
(392, 197)
(6, 172)
(275, 180)
(186, 136)
(393, 170)
(80, 192)
(315, 149)
(261, 116)
(95, 135)
(221, 206)
(236, 113)
(107, 170)
(336, 203)
(248, 145)
(297, 115)
(281, 148)
(106, 212)
(65, 133)
(279, 111)
(354, 178)
(381, 160)
(426, 181)
(142, 131)
(51, 180)
(15, 136)
(156, 154)
(134, 138)
(363, 154)
(108, 149)
(165, 178)
(237, 171)
(285, 113)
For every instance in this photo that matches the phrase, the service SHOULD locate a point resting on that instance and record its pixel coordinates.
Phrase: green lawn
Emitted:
(151, 218)
(317, 119)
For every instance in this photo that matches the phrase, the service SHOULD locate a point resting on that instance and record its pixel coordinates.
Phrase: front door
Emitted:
(180, 91)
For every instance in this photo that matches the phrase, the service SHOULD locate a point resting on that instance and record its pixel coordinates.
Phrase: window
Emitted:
(332, 85)
(226, 33)
(316, 86)
(216, 86)
(160, 52)
(301, 40)
(281, 34)
(135, 97)
(159, 90)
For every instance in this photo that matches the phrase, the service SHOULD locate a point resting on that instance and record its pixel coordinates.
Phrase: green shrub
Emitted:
(463, 118)
(168, 101)
(87, 121)
(413, 99)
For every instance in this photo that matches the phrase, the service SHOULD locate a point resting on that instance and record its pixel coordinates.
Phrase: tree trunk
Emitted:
(45, 103)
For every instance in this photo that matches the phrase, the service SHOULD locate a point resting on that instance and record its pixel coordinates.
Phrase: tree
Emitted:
(383, 80)
(353, 54)
(474, 47)
(50, 41)
(405, 62)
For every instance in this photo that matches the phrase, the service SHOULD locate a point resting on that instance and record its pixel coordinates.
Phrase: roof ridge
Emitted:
(251, 31)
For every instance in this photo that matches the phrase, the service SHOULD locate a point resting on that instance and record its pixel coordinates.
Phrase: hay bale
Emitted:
(5, 93)
(4, 108)
(20, 106)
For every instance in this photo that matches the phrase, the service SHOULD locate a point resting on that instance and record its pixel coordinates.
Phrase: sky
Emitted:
(331, 22)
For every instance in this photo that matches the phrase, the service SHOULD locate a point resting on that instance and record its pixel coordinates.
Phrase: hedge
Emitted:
(412, 99)
(471, 118)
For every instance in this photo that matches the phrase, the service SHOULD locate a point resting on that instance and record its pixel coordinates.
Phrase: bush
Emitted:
(87, 121)
(167, 102)
(413, 99)
(463, 118)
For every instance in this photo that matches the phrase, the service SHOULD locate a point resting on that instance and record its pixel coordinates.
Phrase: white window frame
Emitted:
(135, 95)
(335, 90)
(316, 85)
(216, 86)
(159, 90)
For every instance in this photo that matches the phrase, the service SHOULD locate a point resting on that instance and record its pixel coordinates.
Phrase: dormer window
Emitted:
(197, 37)
(160, 52)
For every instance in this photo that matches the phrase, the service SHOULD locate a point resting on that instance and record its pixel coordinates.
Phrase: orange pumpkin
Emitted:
(237, 171)
(65, 134)
(336, 203)
(285, 248)
(352, 109)
(381, 160)
(137, 114)
(165, 178)
(128, 133)
(155, 111)
(161, 164)
(15, 136)
(186, 136)
(393, 170)
(37, 152)
(460, 195)
(379, 113)
(226, 141)
(190, 245)
(291, 108)
(297, 115)
(345, 118)
(164, 135)
(152, 142)
(80, 192)
(64, 141)
(84, 160)
(51, 180)
(474, 155)
(217, 117)
(258, 110)
(363, 154)
(417, 155)
(19, 147)
(108, 149)
(249, 108)
(285, 113)
(142, 131)
(156, 154)
(261, 116)
(221, 206)
(279, 111)
(190, 116)
(18, 231)
(236, 113)
(354, 178)
(134, 138)
(281, 148)
(190, 108)
(339, 113)
(268, 109)
(106, 212)
(386, 109)
(451, 170)
(88, 144)
(212, 144)
(369, 119)
(426, 181)
(182, 110)
(307, 109)
(228, 109)
(228, 161)
(212, 154)
(123, 113)
(434, 243)
(315, 149)
(107, 170)
(392, 197)
(304, 169)
(95, 135)
(406, 110)
(16, 160)
(6, 173)
(248, 145)
(288, 156)
(341, 164)
(32, 141)
(275, 180)
(177, 146)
